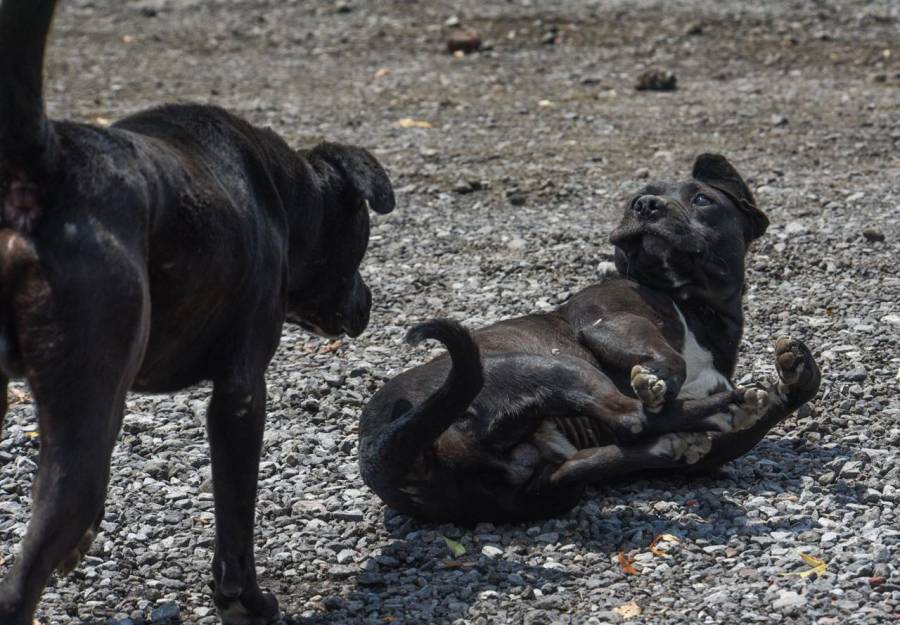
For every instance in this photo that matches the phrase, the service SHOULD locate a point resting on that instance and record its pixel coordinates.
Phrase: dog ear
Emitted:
(717, 172)
(363, 176)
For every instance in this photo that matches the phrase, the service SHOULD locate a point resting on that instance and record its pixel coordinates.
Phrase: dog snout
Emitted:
(649, 207)
(356, 315)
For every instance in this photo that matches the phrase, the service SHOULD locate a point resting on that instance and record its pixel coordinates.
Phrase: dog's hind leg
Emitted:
(235, 422)
(81, 333)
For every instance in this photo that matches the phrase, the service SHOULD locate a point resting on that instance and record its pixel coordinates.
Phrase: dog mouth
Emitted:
(654, 260)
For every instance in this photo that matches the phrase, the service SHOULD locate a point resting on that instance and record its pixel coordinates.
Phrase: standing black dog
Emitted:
(628, 375)
(163, 251)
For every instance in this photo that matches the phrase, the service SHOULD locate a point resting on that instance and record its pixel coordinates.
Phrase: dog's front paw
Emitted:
(797, 369)
(742, 415)
(649, 388)
(678, 447)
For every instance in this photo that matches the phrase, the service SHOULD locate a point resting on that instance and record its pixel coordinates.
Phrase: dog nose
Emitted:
(648, 206)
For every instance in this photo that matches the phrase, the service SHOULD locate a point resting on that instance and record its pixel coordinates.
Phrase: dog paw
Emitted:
(253, 606)
(71, 561)
(742, 415)
(649, 388)
(687, 447)
(797, 369)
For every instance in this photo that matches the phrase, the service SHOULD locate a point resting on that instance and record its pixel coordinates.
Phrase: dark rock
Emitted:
(656, 79)
(465, 40)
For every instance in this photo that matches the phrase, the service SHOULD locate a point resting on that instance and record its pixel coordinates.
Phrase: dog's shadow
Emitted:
(609, 520)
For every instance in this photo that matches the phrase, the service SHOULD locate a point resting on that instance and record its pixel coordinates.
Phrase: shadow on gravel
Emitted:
(702, 505)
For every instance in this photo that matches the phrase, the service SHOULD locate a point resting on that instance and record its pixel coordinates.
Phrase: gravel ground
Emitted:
(504, 206)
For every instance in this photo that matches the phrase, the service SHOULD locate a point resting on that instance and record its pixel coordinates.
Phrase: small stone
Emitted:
(516, 198)
(165, 611)
(642, 173)
(452, 21)
(873, 235)
(465, 40)
(607, 268)
(491, 551)
(778, 120)
(345, 555)
(463, 188)
(856, 374)
(694, 29)
(789, 600)
(656, 79)
(348, 515)
(548, 39)
(875, 582)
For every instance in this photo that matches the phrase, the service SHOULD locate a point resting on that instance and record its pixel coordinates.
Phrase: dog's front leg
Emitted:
(235, 422)
(799, 378)
(634, 345)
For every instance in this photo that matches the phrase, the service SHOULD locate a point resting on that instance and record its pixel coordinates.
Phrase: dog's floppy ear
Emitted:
(363, 176)
(717, 172)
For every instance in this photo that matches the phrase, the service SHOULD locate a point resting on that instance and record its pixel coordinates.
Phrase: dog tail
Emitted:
(391, 451)
(26, 136)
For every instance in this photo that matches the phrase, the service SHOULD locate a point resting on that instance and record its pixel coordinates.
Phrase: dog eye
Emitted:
(701, 200)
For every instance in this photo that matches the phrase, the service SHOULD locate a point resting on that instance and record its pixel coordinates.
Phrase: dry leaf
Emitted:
(663, 538)
(127, 38)
(408, 122)
(333, 346)
(455, 548)
(381, 73)
(459, 54)
(628, 610)
(102, 121)
(817, 567)
(32, 434)
(626, 563)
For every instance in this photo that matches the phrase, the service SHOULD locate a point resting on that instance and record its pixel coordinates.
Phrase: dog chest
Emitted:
(701, 376)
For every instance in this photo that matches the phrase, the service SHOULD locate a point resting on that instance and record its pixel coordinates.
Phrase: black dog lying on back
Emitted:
(163, 251)
(628, 375)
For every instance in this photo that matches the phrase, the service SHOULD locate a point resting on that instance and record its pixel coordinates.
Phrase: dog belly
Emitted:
(702, 379)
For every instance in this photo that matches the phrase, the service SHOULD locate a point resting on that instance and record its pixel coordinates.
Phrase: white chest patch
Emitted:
(702, 377)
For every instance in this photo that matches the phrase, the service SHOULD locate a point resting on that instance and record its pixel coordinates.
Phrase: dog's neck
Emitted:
(717, 322)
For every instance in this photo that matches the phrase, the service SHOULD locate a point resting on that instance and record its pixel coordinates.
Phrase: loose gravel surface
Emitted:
(504, 206)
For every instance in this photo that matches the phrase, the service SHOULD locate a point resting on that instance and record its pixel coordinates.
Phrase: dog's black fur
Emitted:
(628, 375)
(166, 250)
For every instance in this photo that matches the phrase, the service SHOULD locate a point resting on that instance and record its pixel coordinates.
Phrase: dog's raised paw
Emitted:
(788, 360)
(800, 376)
(688, 447)
(649, 388)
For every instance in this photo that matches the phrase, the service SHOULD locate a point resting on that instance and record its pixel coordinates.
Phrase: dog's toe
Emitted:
(648, 387)
(687, 447)
(742, 415)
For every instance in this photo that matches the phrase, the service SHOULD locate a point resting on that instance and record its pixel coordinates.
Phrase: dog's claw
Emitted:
(649, 388)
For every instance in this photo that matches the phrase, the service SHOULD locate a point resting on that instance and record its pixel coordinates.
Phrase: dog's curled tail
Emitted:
(389, 453)
(27, 143)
